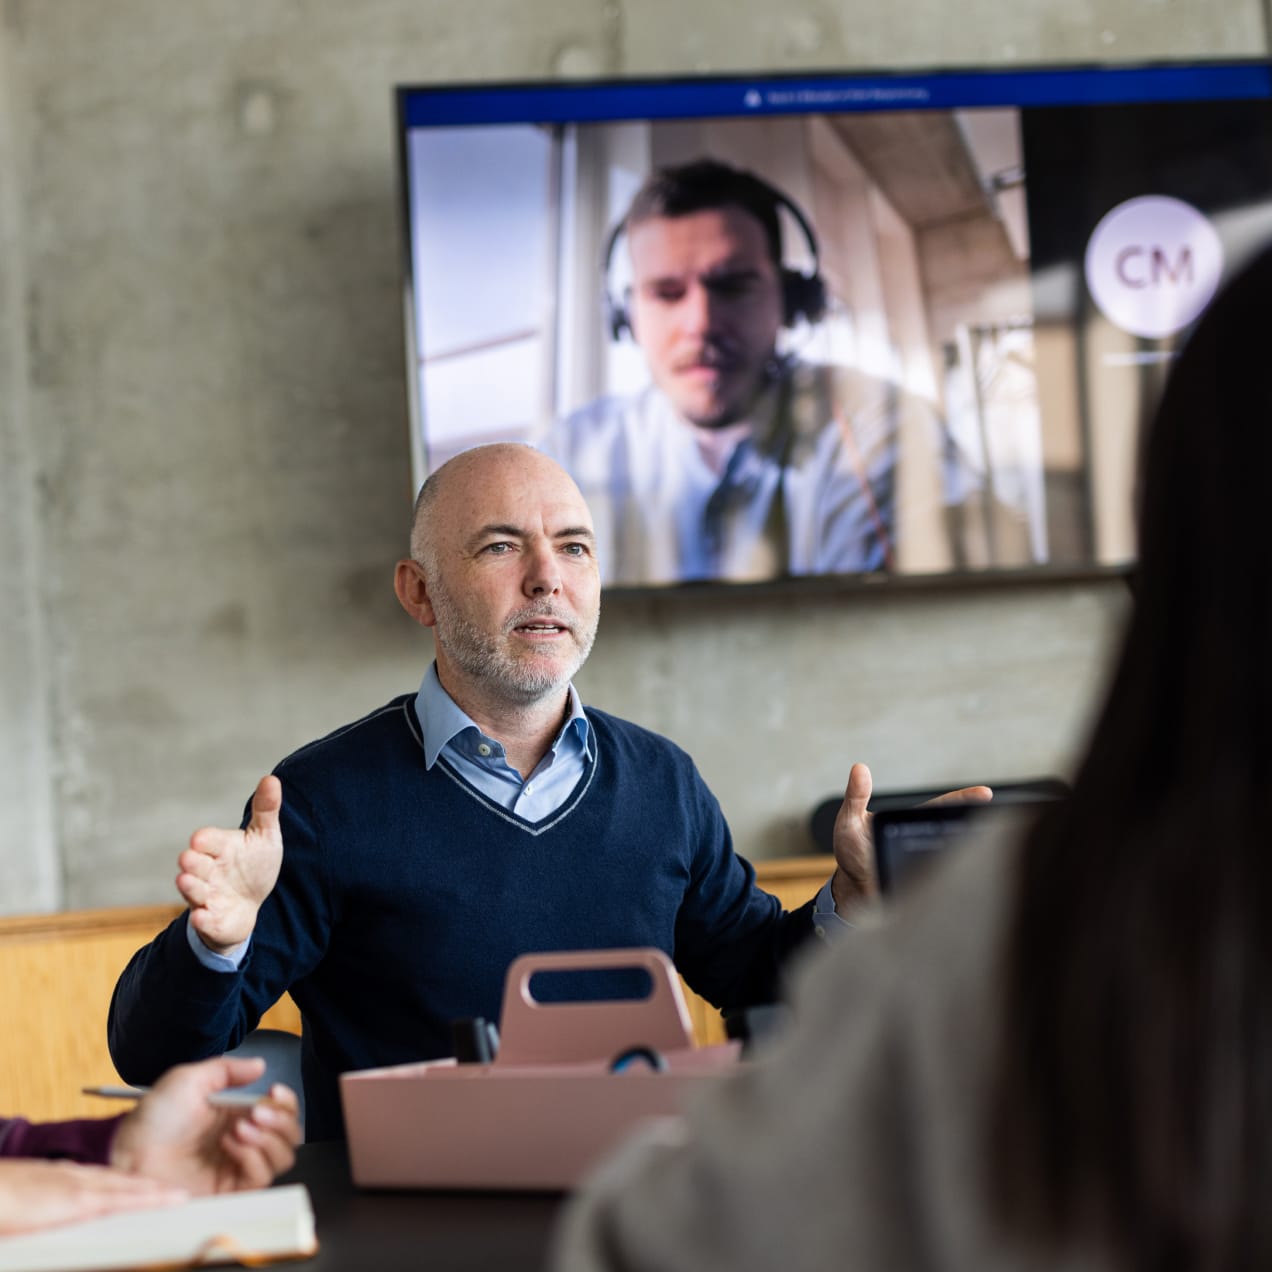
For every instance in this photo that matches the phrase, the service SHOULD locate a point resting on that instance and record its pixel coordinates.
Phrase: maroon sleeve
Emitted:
(84, 1140)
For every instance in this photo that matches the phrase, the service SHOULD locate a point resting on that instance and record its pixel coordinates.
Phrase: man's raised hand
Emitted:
(226, 874)
(854, 879)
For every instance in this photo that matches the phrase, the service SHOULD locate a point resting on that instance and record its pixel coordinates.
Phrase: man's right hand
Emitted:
(226, 874)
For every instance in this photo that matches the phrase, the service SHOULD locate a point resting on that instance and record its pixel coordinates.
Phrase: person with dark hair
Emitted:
(1056, 1055)
(174, 1144)
(737, 461)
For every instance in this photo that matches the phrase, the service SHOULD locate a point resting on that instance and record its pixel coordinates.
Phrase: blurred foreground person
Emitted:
(173, 1145)
(1058, 1055)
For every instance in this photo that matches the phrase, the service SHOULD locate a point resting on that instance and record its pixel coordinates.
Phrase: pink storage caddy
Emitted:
(548, 1106)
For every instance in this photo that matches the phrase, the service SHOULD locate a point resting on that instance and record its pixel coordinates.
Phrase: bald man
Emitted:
(388, 873)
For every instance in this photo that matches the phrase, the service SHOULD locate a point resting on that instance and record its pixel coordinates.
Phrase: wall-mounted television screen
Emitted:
(875, 327)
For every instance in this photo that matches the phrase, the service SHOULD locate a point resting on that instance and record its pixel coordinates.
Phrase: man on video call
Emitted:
(737, 461)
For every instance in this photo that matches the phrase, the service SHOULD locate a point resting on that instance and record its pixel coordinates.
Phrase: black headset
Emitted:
(803, 295)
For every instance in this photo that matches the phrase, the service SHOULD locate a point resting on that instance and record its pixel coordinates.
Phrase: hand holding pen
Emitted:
(182, 1132)
(180, 1139)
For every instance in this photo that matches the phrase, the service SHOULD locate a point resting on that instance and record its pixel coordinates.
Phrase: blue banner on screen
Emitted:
(556, 103)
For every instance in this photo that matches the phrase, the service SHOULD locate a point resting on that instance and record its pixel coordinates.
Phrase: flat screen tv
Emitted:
(875, 328)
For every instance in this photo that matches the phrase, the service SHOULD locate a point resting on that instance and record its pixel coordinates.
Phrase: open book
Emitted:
(247, 1227)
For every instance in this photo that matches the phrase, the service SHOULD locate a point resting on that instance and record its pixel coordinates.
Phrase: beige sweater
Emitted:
(857, 1142)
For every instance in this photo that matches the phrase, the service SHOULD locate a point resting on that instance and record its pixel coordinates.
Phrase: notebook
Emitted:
(246, 1227)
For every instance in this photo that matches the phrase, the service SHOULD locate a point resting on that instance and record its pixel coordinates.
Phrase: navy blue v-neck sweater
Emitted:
(405, 894)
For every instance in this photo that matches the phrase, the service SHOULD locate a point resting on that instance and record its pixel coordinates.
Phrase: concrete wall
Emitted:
(203, 434)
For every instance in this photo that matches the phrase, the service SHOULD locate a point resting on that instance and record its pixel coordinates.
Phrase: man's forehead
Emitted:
(568, 525)
(728, 232)
(536, 499)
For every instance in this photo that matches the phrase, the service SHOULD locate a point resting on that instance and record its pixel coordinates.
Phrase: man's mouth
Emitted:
(705, 362)
(540, 626)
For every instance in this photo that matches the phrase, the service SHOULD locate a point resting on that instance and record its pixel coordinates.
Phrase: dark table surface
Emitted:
(360, 1230)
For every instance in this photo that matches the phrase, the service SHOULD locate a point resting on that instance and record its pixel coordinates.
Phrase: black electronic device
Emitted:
(909, 840)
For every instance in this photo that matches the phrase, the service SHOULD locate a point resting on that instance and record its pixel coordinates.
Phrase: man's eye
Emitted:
(668, 293)
(731, 286)
(574, 549)
(497, 549)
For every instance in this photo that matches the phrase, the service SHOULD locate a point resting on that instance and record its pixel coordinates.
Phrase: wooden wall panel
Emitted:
(56, 976)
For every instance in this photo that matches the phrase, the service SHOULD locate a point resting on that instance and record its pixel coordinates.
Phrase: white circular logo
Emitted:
(1152, 265)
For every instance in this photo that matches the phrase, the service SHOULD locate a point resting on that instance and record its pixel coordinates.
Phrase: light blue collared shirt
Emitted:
(452, 737)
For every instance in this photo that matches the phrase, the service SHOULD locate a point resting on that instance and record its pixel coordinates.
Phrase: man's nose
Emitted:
(543, 571)
(699, 310)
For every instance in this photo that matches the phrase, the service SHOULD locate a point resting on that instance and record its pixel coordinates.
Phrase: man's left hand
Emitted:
(854, 880)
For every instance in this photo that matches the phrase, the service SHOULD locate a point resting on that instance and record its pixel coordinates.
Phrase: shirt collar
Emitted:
(442, 719)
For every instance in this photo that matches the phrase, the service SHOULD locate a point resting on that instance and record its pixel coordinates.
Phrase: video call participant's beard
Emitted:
(737, 406)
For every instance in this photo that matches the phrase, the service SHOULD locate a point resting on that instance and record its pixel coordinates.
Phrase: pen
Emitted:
(219, 1099)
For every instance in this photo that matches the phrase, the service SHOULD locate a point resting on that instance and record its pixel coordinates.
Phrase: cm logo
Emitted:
(1152, 264)
(1138, 267)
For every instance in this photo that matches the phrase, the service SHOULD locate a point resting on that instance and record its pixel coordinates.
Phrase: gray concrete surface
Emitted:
(204, 475)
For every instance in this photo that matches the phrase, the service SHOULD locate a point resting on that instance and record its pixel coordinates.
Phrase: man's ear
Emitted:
(411, 586)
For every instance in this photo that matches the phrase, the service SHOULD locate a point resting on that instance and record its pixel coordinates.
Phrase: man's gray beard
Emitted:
(474, 652)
